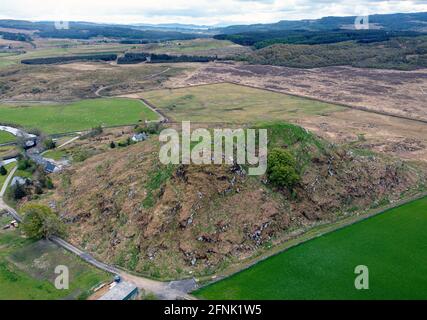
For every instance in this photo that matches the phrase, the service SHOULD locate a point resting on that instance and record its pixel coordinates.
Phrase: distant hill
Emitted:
(394, 22)
(85, 30)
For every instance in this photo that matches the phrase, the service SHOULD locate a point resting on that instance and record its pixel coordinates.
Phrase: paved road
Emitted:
(3, 205)
(163, 290)
(7, 181)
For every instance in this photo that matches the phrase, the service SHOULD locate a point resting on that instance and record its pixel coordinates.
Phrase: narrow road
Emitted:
(7, 181)
(161, 114)
(3, 205)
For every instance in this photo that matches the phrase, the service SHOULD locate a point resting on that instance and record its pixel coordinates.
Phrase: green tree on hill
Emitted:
(41, 222)
(282, 168)
(3, 171)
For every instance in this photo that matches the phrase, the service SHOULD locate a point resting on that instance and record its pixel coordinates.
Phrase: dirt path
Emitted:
(68, 142)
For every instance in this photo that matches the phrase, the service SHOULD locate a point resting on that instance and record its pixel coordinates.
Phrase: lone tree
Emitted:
(41, 222)
(281, 168)
(3, 171)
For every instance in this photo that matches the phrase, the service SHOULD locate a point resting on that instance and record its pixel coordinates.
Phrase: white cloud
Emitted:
(197, 11)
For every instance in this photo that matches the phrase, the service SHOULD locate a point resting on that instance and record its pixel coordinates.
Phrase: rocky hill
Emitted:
(177, 221)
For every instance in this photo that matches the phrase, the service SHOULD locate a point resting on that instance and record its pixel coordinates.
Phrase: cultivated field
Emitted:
(392, 245)
(233, 103)
(27, 270)
(81, 115)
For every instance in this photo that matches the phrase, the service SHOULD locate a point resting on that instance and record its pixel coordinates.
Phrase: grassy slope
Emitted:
(8, 167)
(392, 245)
(233, 103)
(27, 270)
(6, 137)
(76, 116)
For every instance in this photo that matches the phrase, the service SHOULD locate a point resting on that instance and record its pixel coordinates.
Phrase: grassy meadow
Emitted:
(233, 103)
(393, 245)
(76, 116)
(6, 137)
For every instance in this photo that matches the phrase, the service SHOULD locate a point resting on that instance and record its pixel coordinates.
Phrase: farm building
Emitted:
(18, 181)
(140, 137)
(121, 291)
(50, 167)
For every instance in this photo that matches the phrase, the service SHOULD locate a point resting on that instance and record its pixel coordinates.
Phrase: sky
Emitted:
(201, 12)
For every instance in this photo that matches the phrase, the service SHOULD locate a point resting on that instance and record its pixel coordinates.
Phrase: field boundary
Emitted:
(339, 104)
(295, 240)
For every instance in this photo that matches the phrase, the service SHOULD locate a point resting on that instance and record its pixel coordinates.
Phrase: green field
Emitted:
(6, 137)
(393, 245)
(55, 154)
(27, 270)
(189, 47)
(81, 115)
(233, 103)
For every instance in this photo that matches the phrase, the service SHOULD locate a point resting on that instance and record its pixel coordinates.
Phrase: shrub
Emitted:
(49, 183)
(49, 144)
(16, 192)
(3, 171)
(26, 164)
(281, 168)
(41, 222)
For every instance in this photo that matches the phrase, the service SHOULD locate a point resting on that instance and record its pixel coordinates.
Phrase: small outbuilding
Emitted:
(30, 143)
(50, 167)
(121, 291)
(140, 137)
(18, 181)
